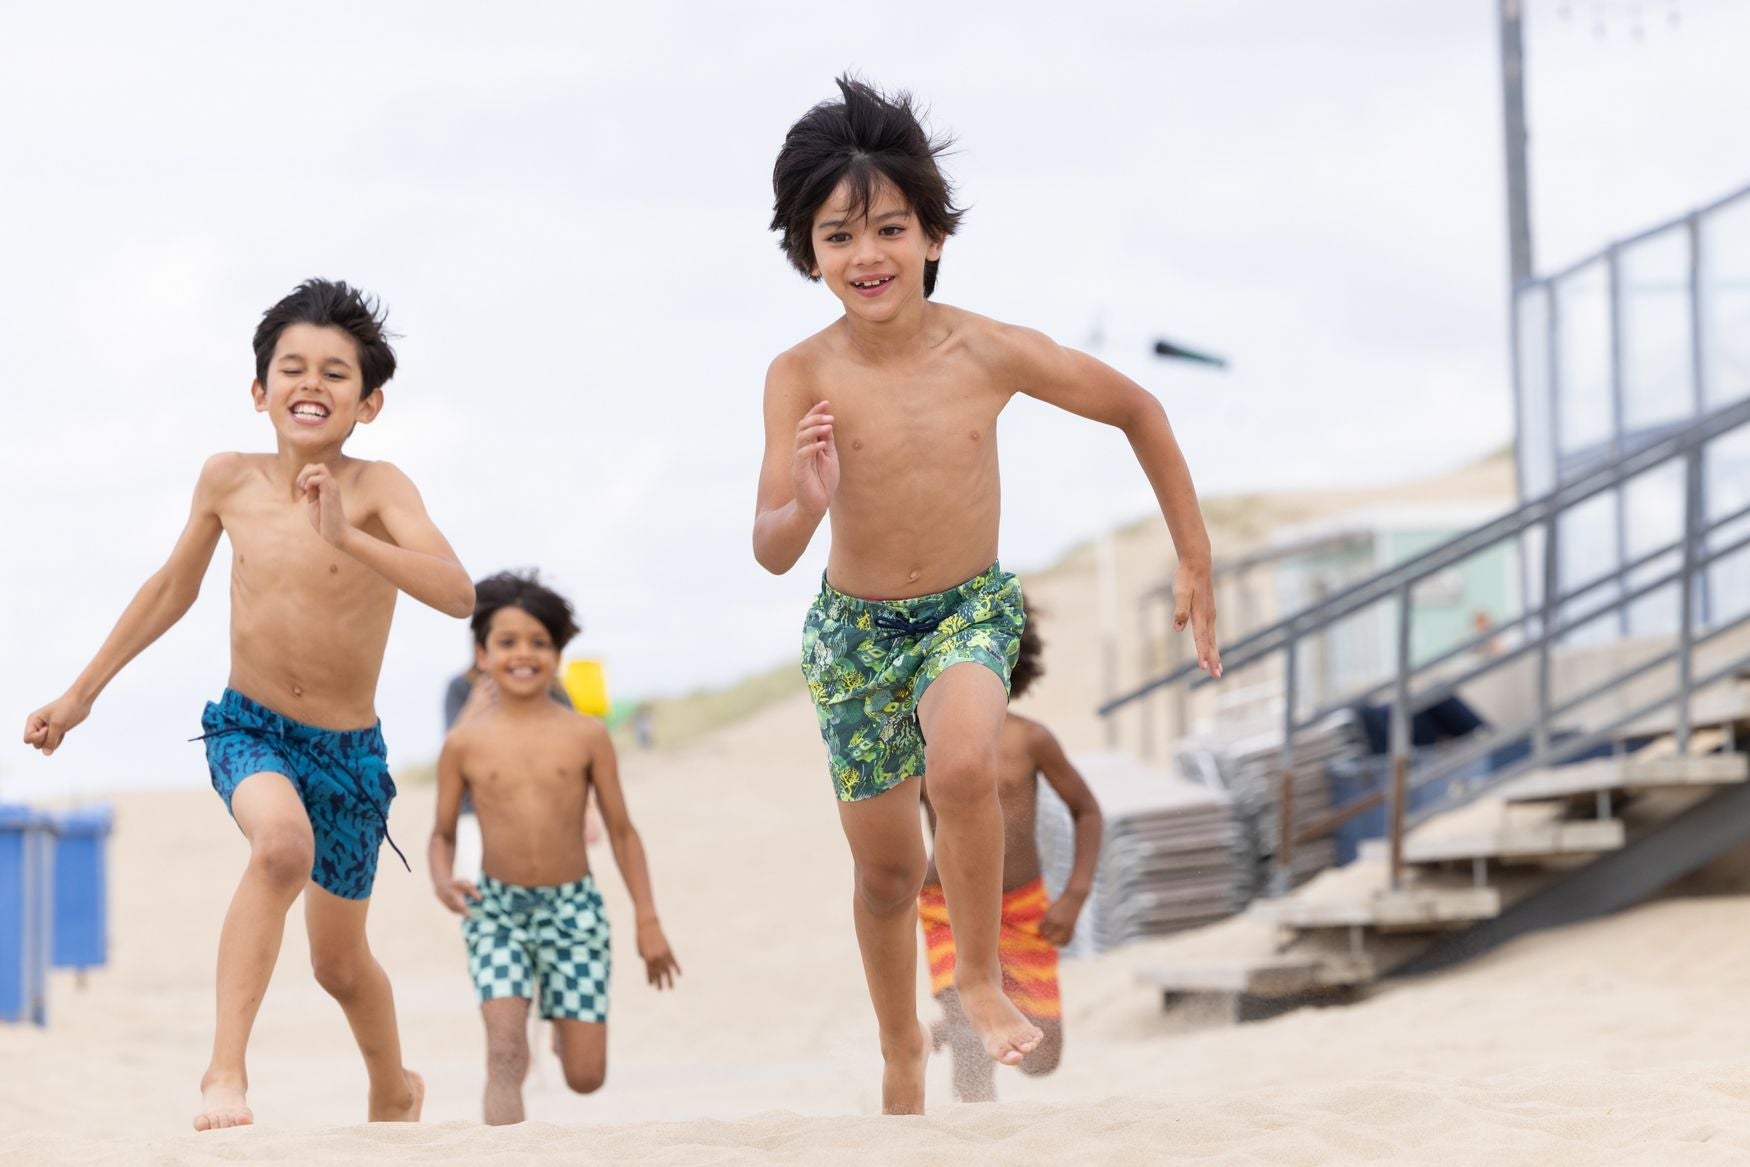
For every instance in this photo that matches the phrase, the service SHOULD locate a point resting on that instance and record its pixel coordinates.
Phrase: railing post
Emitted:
(1546, 628)
(1145, 730)
(1692, 523)
(1400, 740)
(1285, 763)
(1698, 378)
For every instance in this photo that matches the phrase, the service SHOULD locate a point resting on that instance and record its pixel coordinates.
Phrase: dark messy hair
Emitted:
(509, 589)
(331, 304)
(1029, 666)
(863, 139)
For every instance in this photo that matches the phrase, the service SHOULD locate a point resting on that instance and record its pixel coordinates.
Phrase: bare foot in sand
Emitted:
(1007, 1035)
(222, 1105)
(902, 1079)
(405, 1106)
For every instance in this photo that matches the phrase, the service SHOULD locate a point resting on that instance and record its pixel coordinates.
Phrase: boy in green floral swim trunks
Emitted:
(913, 685)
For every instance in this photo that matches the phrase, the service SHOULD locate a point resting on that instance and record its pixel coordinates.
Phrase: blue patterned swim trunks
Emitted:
(553, 939)
(341, 776)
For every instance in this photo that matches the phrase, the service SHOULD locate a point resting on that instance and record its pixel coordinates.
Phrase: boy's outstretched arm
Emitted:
(1059, 925)
(1093, 389)
(415, 558)
(161, 601)
(660, 966)
(800, 470)
(453, 893)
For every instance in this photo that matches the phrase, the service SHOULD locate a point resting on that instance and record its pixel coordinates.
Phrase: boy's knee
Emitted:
(586, 1079)
(339, 973)
(283, 856)
(960, 780)
(888, 886)
(507, 1057)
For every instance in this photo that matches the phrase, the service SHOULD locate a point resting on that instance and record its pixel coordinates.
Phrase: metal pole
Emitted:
(1546, 629)
(1698, 378)
(1145, 735)
(1513, 118)
(1613, 277)
(1106, 582)
(1686, 619)
(1400, 740)
(1285, 764)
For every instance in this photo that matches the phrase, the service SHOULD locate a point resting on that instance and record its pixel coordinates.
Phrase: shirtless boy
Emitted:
(1033, 926)
(533, 921)
(887, 419)
(321, 546)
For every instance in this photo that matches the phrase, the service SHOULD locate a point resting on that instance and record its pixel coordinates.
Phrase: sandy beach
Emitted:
(1619, 1041)
(1625, 1040)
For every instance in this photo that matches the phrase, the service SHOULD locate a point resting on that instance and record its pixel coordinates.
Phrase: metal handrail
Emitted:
(1274, 637)
(1553, 620)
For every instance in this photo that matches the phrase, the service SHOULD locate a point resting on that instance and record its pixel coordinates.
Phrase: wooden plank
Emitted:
(1630, 773)
(1280, 975)
(1412, 909)
(1727, 705)
(1510, 843)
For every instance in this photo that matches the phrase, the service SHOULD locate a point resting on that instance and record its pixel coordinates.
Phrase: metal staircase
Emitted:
(1544, 839)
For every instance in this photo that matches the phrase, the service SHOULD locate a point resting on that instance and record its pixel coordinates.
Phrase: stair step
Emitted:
(1279, 975)
(1725, 704)
(1629, 772)
(1406, 910)
(1510, 843)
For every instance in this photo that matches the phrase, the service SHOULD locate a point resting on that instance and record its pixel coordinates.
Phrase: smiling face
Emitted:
(314, 388)
(872, 258)
(519, 654)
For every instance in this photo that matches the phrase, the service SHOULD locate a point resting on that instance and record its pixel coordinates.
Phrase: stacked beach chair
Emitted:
(1174, 855)
(1248, 768)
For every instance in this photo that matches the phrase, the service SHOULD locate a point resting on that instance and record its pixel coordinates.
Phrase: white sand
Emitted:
(1623, 1041)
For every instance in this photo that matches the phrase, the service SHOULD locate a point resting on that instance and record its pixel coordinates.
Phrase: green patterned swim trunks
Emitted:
(868, 662)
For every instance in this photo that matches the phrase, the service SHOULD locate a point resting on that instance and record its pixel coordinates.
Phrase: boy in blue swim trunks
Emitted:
(322, 544)
(533, 921)
(887, 419)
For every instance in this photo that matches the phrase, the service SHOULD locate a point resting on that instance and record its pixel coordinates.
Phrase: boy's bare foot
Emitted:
(406, 1104)
(1007, 1035)
(222, 1105)
(902, 1079)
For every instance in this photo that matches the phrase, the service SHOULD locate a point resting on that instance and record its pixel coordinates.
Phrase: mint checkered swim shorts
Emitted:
(552, 939)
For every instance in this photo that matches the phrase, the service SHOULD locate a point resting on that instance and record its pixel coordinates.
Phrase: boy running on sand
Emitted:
(321, 545)
(887, 418)
(534, 918)
(1033, 926)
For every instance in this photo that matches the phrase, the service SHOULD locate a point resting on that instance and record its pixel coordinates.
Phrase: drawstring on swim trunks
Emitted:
(889, 621)
(334, 764)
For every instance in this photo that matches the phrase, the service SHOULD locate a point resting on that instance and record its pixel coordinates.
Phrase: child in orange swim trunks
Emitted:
(1033, 926)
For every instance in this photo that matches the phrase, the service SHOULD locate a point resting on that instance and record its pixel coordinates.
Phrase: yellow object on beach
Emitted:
(587, 686)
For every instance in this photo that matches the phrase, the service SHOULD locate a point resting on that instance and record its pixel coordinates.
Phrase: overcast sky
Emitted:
(564, 207)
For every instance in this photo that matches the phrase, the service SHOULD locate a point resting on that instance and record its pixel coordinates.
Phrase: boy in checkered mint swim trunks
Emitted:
(533, 921)
(887, 420)
(322, 546)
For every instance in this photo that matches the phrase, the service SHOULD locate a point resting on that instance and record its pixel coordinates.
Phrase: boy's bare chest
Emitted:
(877, 420)
(274, 547)
(536, 769)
